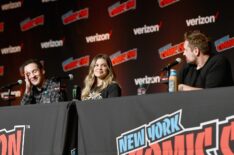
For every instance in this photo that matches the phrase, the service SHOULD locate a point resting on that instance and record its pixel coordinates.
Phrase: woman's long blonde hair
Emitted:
(90, 79)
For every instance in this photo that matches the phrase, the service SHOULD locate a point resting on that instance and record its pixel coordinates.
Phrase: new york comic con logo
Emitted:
(164, 3)
(1, 26)
(224, 43)
(1, 70)
(119, 8)
(12, 141)
(29, 23)
(167, 136)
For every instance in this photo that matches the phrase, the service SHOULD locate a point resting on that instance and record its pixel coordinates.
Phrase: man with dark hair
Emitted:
(38, 89)
(203, 70)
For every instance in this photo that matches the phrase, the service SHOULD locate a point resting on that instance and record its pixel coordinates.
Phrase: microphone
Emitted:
(66, 77)
(19, 82)
(177, 61)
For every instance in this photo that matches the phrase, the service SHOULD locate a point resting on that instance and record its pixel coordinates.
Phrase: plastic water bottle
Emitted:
(74, 92)
(172, 81)
(141, 89)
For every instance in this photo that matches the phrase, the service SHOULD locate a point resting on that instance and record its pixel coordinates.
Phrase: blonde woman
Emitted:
(100, 81)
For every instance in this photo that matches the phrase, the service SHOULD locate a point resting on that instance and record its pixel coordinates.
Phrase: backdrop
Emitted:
(140, 36)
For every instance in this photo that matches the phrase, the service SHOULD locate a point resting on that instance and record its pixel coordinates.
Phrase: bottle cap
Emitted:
(173, 72)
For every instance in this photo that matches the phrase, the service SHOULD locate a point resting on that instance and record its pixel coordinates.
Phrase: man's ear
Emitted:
(196, 51)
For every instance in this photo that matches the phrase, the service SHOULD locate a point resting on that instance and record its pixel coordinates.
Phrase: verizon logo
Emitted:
(11, 5)
(98, 37)
(147, 80)
(5, 95)
(11, 49)
(147, 29)
(52, 44)
(202, 20)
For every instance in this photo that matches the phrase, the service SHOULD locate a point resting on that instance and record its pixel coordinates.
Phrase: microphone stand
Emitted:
(62, 88)
(9, 96)
(167, 70)
(9, 88)
(168, 75)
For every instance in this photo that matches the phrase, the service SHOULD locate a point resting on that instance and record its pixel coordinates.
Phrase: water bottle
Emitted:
(74, 92)
(141, 89)
(172, 81)
(74, 151)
